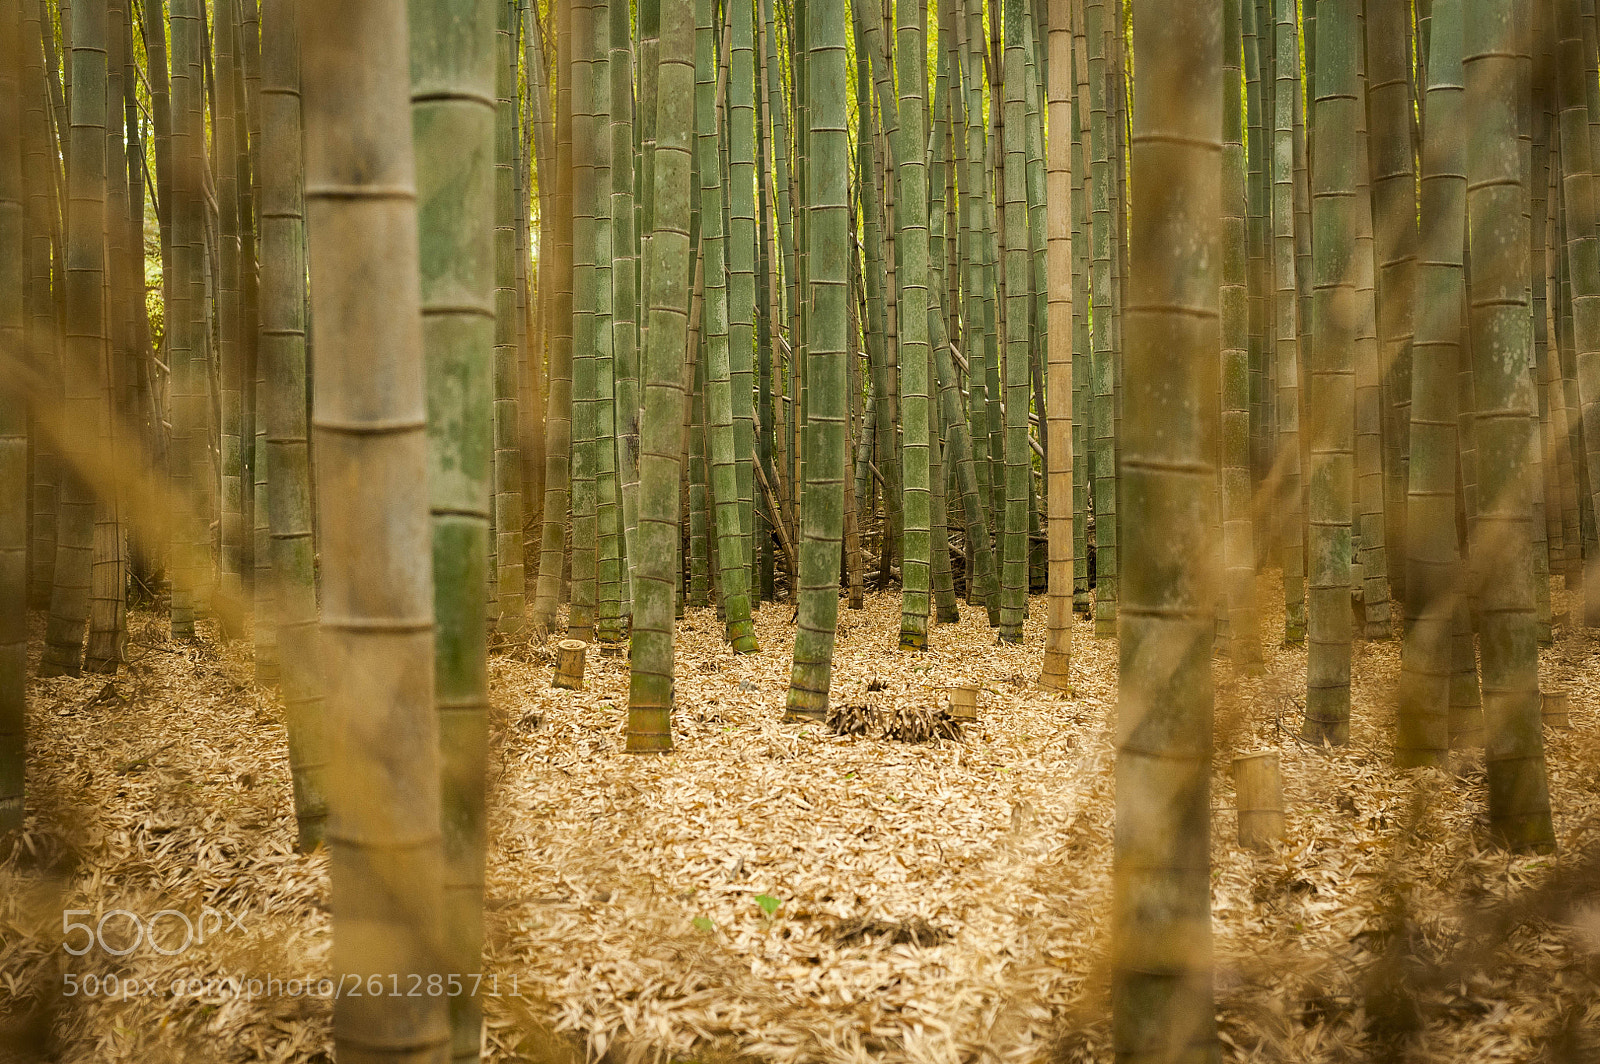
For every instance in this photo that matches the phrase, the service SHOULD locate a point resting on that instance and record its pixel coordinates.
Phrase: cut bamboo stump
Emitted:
(569, 664)
(1258, 790)
(1555, 707)
(963, 702)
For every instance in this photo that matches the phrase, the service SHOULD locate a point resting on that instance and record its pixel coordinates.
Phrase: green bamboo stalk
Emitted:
(1018, 270)
(973, 189)
(624, 281)
(1286, 327)
(532, 138)
(1238, 303)
(741, 152)
(911, 242)
(510, 579)
(876, 277)
(108, 580)
(559, 400)
(885, 277)
(1257, 84)
(1039, 313)
(385, 856)
(230, 326)
(854, 564)
(586, 191)
(1519, 798)
(453, 70)
(660, 437)
(718, 399)
(1537, 483)
(1371, 547)
(1081, 600)
(1567, 371)
(40, 336)
(994, 281)
(768, 310)
(611, 573)
(697, 578)
(283, 359)
(185, 345)
(1422, 736)
(1161, 980)
(1102, 356)
(258, 542)
(1394, 220)
(827, 234)
(945, 609)
(941, 471)
(1330, 402)
(1583, 263)
(83, 360)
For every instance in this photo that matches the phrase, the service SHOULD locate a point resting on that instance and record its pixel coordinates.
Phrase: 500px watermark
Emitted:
(168, 932)
(217, 988)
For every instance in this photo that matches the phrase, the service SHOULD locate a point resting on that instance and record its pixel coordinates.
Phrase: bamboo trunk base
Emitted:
(1555, 706)
(963, 702)
(1258, 791)
(569, 664)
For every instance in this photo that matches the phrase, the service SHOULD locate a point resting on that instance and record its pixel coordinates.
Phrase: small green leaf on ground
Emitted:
(703, 923)
(768, 903)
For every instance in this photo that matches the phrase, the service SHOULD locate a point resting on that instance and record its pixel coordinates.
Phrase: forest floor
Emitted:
(774, 892)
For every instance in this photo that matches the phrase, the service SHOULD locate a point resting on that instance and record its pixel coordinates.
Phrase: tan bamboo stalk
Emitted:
(1058, 392)
(371, 443)
(1161, 995)
(108, 579)
(283, 410)
(13, 432)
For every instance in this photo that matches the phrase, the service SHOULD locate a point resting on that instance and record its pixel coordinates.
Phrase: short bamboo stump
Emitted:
(963, 702)
(569, 664)
(1258, 791)
(1555, 707)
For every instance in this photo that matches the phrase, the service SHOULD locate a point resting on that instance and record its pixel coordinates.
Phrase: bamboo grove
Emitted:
(435, 326)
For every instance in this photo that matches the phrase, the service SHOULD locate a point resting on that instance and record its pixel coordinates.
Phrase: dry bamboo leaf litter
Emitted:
(788, 894)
